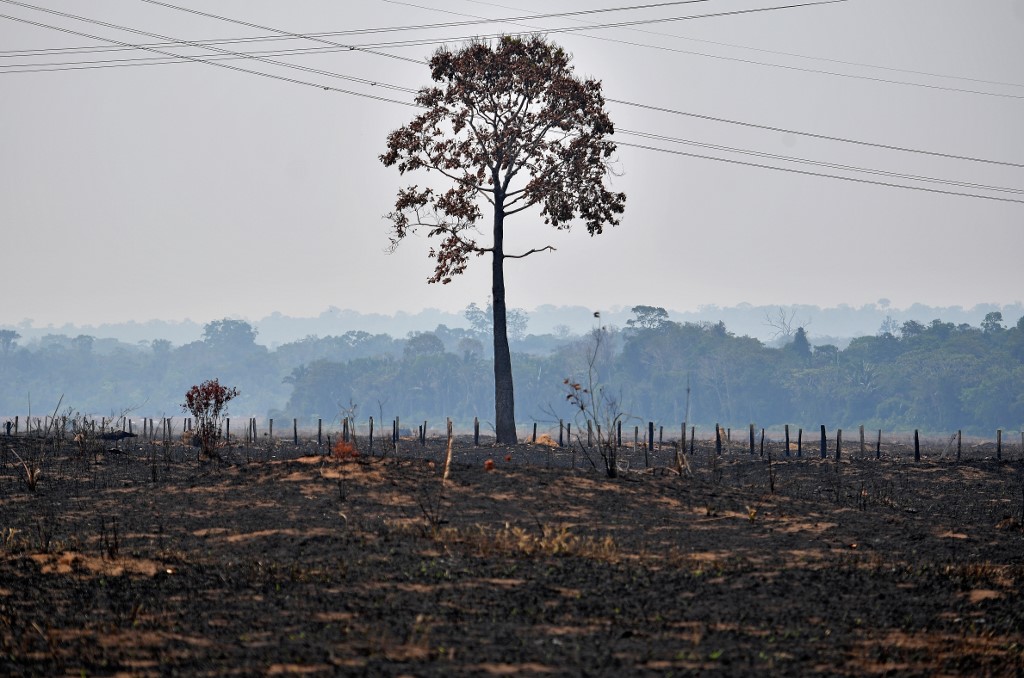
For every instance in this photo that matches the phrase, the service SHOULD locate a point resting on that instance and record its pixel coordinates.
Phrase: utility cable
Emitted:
(624, 144)
(818, 163)
(812, 135)
(579, 31)
(239, 69)
(483, 20)
(733, 45)
(358, 31)
(194, 45)
(818, 174)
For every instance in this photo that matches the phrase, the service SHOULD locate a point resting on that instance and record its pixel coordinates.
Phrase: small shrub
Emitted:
(207, 402)
(345, 451)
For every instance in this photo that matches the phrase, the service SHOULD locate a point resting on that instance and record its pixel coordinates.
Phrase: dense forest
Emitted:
(937, 377)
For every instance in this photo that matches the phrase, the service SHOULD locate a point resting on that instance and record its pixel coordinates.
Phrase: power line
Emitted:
(617, 24)
(483, 20)
(212, 63)
(819, 163)
(159, 61)
(594, 11)
(774, 51)
(285, 35)
(47, 66)
(375, 47)
(578, 30)
(818, 174)
(624, 144)
(460, 38)
(813, 135)
(359, 31)
(186, 42)
(449, 24)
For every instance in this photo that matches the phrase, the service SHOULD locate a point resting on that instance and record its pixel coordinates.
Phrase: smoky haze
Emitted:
(938, 375)
(139, 192)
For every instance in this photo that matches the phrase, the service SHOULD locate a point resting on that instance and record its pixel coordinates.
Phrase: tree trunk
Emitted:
(504, 403)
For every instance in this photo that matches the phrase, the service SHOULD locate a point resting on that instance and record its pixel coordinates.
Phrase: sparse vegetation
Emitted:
(375, 565)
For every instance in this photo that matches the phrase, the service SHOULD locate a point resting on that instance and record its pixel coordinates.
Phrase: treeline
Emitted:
(936, 376)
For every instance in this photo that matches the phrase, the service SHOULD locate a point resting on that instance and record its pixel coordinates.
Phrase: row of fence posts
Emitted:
(564, 434)
(566, 429)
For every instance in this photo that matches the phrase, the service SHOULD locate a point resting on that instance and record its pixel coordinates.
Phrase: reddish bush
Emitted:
(345, 450)
(208, 402)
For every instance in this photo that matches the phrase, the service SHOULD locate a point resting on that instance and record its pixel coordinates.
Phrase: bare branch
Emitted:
(533, 251)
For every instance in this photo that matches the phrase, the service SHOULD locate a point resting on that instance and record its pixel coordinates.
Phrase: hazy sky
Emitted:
(188, 190)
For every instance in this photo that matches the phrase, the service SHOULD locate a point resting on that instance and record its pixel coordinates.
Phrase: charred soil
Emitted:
(144, 560)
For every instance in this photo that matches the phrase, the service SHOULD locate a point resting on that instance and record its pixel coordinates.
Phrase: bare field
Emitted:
(145, 561)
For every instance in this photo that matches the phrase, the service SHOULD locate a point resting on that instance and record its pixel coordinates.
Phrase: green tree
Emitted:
(482, 320)
(229, 334)
(512, 126)
(422, 344)
(801, 345)
(993, 323)
(648, 318)
(8, 340)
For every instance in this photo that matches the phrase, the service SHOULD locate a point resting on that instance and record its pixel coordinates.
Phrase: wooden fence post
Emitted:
(534, 433)
(718, 439)
(295, 430)
(999, 444)
(878, 445)
(568, 433)
(839, 443)
(762, 443)
(800, 442)
(650, 436)
(751, 439)
(863, 450)
(561, 432)
(271, 425)
(917, 446)
(680, 451)
(319, 432)
(448, 453)
(618, 435)
(476, 432)
(824, 440)
(959, 441)
(371, 436)
(693, 435)
(787, 440)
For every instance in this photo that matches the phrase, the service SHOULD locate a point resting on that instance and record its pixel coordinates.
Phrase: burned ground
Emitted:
(146, 561)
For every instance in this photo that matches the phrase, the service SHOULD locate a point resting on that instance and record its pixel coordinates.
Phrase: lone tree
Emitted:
(509, 124)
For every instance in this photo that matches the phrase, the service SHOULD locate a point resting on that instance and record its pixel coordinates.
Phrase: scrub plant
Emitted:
(207, 402)
(596, 411)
